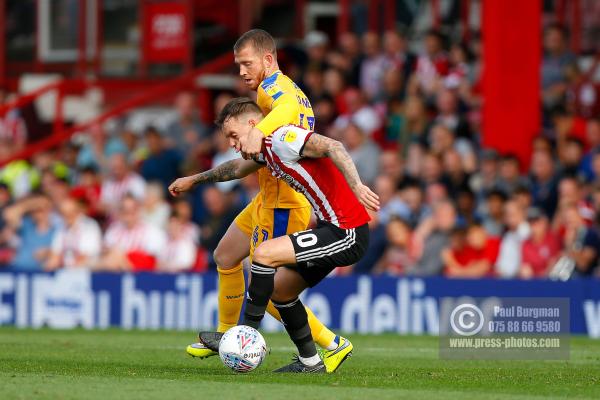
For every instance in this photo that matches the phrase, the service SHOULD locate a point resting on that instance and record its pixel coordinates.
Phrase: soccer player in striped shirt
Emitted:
(277, 210)
(322, 171)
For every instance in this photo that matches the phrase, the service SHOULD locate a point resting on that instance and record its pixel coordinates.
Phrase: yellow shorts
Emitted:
(262, 224)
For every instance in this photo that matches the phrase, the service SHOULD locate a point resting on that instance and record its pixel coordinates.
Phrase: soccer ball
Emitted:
(242, 348)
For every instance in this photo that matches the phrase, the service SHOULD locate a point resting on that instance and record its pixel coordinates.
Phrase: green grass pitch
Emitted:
(45, 364)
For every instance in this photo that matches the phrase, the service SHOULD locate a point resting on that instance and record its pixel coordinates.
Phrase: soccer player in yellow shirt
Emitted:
(277, 209)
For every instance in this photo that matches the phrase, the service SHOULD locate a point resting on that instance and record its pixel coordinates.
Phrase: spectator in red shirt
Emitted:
(541, 249)
(88, 191)
(472, 256)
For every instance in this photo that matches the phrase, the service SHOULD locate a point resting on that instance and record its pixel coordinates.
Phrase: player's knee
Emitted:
(282, 295)
(263, 255)
(222, 259)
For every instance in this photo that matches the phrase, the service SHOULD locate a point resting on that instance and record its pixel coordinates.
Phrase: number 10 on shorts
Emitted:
(305, 239)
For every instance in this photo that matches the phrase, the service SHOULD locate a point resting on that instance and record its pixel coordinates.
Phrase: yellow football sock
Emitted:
(231, 296)
(320, 333)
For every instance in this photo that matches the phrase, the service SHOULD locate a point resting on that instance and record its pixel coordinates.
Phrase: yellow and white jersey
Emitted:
(282, 103)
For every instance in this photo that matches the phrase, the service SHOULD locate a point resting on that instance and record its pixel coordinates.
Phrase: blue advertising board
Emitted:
(363, 304)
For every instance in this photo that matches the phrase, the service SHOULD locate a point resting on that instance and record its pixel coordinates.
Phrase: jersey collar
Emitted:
(271, 78)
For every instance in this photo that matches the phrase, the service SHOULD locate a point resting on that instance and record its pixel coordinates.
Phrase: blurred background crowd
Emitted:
(408, 111)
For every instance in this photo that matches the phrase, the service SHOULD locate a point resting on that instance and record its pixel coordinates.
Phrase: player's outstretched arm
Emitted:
(318, 146)
(228, 171)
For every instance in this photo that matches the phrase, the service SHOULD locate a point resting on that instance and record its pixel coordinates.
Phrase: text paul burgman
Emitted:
(526, 312)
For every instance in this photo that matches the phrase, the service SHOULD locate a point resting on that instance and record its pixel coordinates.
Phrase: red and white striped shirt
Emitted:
(83, 238)
(113, 190)
(428, 70)
(142, 237)
(179, 254)
(318, 179)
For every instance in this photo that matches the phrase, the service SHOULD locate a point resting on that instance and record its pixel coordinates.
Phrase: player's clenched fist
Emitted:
(181, 185)
(251, 144)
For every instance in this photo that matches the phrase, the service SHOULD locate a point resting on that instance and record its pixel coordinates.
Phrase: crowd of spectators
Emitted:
(408, 112)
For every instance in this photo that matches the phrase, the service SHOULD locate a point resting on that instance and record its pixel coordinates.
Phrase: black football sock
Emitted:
(259, 293)
(295, 320)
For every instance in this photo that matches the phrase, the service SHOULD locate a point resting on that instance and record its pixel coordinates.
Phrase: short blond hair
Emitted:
(259, 39)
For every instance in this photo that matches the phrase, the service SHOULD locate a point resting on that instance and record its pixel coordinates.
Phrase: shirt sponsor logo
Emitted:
(272, 89)
(290, 136)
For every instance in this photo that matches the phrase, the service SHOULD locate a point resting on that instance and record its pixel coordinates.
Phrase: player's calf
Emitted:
(295, 320)
(259, 293)
(267, 257)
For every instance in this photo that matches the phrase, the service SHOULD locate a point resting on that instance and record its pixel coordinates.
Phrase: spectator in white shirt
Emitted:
(122, 181)
(181, 251)
(78, 242)
(129, 243)
(155, 210)
(518, 230)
